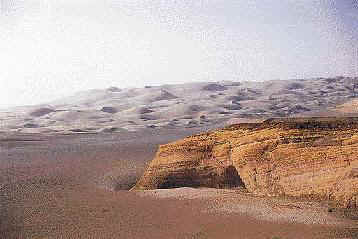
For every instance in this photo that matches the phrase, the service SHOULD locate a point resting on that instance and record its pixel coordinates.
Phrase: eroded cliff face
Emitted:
(315, 157)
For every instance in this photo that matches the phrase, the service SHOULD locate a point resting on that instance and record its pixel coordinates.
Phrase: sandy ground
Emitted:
(238, 201)
(74, 187)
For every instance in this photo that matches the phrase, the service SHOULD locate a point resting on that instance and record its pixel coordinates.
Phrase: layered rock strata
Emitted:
(313, 157)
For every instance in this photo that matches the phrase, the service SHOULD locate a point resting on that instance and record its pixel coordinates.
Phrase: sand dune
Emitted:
(184, 104)
(70, 177)
(348, 107)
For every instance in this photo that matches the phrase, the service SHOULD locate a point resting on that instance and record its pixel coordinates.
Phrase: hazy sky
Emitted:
(52, 48)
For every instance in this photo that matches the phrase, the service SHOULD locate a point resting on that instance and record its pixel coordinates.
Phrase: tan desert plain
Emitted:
(273, 159)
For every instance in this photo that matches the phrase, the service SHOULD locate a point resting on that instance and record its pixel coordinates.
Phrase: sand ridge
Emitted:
(227, 202)
(186, 105)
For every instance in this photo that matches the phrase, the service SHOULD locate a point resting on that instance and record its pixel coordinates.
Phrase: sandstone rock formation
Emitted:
(304, 157)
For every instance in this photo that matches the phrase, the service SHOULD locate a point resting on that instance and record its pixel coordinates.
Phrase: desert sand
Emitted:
(76, 186)
(66, 167)
(186, 105)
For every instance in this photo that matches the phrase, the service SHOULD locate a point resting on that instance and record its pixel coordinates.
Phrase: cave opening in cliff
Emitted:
(232, 178)
(228, 178)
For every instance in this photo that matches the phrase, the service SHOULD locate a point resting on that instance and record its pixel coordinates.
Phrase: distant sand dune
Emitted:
(158, 106)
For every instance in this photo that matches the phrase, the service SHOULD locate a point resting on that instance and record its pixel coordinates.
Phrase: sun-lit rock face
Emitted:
(314, 157)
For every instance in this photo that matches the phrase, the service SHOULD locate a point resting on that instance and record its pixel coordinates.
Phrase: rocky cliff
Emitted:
(314, 157)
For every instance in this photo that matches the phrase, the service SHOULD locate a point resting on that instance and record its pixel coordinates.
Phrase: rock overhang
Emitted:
(313, 157)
